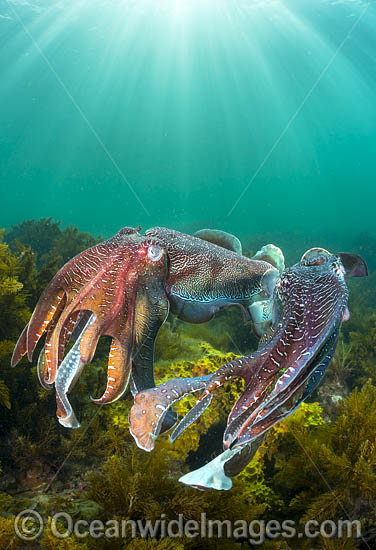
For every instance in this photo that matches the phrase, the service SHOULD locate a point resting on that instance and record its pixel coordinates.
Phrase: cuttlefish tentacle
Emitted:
(266, 417)
(88, 299)
(44, 359)
(191, 417)
(213, 382)
(39, 322)
(152, 307)
(106, 303)
(310, 302)
(119, 359)
(128, 283)
(151, 406)
(65, 333)
(324, 305)
(307, 380)
(42, 369)
(86, 270)
(21, 347)
(151, 311)
(295, 385)
(146, 302)
(286, 395)
(290, 401)
(66, 377)
(105, 284)
(143, 426)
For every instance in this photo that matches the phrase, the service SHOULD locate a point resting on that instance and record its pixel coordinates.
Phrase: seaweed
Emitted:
(39, 235)
(319, 463)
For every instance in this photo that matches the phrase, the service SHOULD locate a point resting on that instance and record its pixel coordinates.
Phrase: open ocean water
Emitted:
(249, 116)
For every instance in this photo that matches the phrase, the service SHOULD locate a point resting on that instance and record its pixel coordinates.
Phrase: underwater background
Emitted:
(257, 117)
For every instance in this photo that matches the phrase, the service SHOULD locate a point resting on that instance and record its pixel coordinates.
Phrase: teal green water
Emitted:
(250, 116)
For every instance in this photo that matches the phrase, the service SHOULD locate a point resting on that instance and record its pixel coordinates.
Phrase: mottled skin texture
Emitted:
(110, 280)
(204, 277)
(129, 283)
(310, 302)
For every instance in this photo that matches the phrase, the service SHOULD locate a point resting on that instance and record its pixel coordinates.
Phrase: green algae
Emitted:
(97, 472)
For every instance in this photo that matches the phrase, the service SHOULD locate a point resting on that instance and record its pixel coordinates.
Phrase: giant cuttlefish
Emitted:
(124, 288)
(310, 303)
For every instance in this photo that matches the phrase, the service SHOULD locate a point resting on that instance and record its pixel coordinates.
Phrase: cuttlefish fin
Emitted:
(354, 265)
(271, 254)
(151, 406)
(220, 238)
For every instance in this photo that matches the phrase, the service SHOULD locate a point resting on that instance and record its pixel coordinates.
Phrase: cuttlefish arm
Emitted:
(151, 311)
(151, 406)
(79, 285)
(126, 328)
(330, 309)
(75, 323)
(112, 281)
(66, 377)
(145, 309)
(217, 473)
(311, 297)
(277, 407)
(307, 380)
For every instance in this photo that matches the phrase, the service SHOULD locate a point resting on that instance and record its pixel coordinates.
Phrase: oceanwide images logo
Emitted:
(29, 525)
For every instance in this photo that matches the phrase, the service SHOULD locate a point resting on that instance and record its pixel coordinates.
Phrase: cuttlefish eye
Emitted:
(155, 253)
(314, 256)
